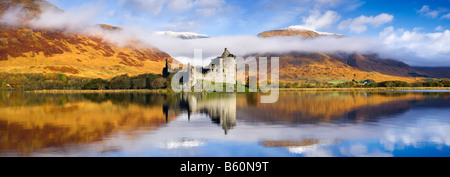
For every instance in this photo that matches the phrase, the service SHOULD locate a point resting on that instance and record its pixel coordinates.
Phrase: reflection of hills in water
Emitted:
(345, 107)
(29, 122)
(317, 107)
(221, 108)
(32, 122)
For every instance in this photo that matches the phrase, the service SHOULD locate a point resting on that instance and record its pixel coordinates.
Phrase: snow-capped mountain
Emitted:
(297, 31)
(301, 28)
(182, 35)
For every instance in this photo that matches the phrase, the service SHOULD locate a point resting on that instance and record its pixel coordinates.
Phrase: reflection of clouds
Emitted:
(360, 150)
(425, 131)
(301, 149)
(413, 128)
(311, 151)
(184, 143)
(316, 151)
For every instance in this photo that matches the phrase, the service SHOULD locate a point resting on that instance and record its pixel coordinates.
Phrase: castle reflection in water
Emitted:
(221, 108)
(300, 123)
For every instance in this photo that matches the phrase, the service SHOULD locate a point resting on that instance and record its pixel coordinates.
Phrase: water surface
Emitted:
(300, 124)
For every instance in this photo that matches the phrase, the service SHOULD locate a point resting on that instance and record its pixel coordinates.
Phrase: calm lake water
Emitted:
(226, 125)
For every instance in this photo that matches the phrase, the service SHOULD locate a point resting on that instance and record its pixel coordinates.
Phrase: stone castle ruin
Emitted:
(221, 70)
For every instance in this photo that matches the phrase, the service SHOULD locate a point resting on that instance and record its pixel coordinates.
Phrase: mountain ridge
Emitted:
(372, 62)
(322, 67)
(364, 66)
(439, 72)
(297, 31)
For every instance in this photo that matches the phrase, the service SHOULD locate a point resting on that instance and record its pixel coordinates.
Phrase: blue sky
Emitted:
(241, 17)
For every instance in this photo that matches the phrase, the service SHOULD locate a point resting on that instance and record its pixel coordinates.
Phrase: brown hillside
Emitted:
(109, 27)
(329, 67)
(29, 5)
(371, 63)
(24, 49)
(32, 8)
(48, 51)
(298, 66)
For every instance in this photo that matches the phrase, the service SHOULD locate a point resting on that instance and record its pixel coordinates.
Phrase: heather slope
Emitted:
(300, 66)
(27, 49)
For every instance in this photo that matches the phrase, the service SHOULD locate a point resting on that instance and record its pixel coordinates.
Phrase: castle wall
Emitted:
(220, 70)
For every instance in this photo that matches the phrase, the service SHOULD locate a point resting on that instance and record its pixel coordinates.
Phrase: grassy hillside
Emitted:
(24, 49)
(27, 50)
(371, 63)
(32, 8)
(321, 67)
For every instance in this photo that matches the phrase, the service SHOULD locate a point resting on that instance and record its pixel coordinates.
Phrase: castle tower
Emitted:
(226, 53)
(166, 70)
(167, 63)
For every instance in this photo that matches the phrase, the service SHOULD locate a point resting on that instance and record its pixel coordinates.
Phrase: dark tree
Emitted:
(96, 84)
(158, 83)
(139, 83)
(120, 82)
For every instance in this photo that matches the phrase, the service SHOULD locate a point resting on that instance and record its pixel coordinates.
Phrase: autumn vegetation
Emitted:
(368, 84)
(51, 81)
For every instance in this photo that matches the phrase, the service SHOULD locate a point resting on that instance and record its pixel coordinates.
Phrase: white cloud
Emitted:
(13, 16)
(426, 11)
(153, 7)
(199, 5)
(361, 23)
(419, 47)
(442, 13)
(318, 20)
(327, 4)
(156, 7)
(446, 16)
(181, 26)
(439, 28)
(166, 13)
(75, 19)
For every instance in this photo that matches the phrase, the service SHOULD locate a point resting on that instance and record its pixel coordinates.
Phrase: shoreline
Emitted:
(365, 89)
(97, 91)
(281, 90)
